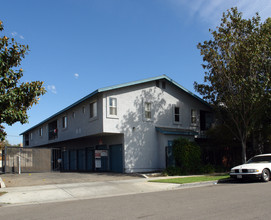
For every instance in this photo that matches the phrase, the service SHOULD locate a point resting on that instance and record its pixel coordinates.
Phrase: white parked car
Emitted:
(258, 167)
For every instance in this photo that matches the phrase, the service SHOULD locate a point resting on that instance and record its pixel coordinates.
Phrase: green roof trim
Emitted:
(109, 88)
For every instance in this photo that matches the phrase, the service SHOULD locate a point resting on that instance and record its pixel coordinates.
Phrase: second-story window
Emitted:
(177, 114)
(65, 122)
(26, 139)
(147, 110)
(93, 110)
(40, 132)
(193, 116)
(112, 106)
(52, 130)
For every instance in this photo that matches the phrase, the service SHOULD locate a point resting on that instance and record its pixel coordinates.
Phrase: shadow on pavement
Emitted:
(235, 181)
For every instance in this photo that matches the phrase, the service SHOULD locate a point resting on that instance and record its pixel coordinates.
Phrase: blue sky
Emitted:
(78, 46)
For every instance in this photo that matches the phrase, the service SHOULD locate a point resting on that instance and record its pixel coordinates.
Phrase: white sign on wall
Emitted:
(98, 163)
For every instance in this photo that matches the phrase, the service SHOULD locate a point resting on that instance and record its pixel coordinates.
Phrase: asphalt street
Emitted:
(221, 201)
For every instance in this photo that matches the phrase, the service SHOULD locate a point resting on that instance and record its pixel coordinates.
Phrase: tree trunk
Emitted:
(244, 149)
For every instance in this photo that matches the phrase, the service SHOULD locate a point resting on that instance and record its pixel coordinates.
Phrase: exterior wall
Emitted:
(79, 125)
(144, 150)
(143, 146)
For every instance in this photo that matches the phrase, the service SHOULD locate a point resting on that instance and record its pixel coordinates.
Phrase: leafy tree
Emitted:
(15, 97)
(237, 63)
(5, 143)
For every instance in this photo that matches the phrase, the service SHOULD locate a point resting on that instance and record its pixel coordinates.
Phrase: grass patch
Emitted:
(192, 179)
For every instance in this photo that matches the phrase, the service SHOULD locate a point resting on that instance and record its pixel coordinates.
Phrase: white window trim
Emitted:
(95, 116)
(173, 115)
(41, 132)
(196, 116)
(108, 115)
(66, 122)
(151, 111)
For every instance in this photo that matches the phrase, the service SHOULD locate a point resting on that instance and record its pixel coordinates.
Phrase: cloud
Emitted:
(52, 88)
(14, 34)
(76, 75)
(210, 11)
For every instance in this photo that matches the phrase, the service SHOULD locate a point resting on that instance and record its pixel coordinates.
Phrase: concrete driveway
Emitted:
(35, 179)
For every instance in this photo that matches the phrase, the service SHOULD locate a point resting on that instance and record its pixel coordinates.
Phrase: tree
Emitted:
(237, 82)
(15, 97)
(5, 143)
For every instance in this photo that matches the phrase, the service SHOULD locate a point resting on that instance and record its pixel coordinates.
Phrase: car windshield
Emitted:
(260, 159)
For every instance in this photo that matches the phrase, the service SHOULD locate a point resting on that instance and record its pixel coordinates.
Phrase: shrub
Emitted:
(207, 169)
(187, 155)
(172, 171)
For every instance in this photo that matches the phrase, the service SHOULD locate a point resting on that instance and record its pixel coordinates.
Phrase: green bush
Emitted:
(207, 169)
(187, 155)
(172, 171)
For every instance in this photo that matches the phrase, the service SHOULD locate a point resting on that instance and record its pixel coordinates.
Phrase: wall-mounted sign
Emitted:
(98, 163)
(98, 153)
(104, 153)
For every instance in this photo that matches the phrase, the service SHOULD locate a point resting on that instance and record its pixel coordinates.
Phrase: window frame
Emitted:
(26, 139)
(93, 110)
(52, 130)
(65, 122)
(176, 114)
(110, 107)
(41, 131)
(147, 110)
(193, 117)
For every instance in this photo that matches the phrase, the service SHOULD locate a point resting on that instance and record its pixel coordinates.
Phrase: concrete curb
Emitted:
(2, 184)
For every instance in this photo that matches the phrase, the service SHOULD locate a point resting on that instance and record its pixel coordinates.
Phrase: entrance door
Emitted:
(170, 161)
(116, 158)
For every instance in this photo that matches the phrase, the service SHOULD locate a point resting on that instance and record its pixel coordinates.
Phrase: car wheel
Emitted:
(265, 175)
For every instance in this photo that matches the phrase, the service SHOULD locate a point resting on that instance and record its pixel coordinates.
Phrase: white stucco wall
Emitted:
(144, 147)
(81, 125)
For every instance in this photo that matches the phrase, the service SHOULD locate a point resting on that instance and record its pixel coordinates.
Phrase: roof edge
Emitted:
(61, 111)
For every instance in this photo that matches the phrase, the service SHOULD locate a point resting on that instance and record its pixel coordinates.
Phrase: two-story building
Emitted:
(123, 128)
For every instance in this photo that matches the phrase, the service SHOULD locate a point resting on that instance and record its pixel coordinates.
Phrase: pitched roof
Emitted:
(117, 87)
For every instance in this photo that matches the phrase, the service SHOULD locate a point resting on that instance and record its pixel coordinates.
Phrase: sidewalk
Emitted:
(79, 191)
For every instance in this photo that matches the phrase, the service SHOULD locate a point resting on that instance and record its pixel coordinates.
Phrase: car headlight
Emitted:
(232, 171)
(252, 170)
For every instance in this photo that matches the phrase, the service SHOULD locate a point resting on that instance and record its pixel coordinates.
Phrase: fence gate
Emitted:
(24, 160)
